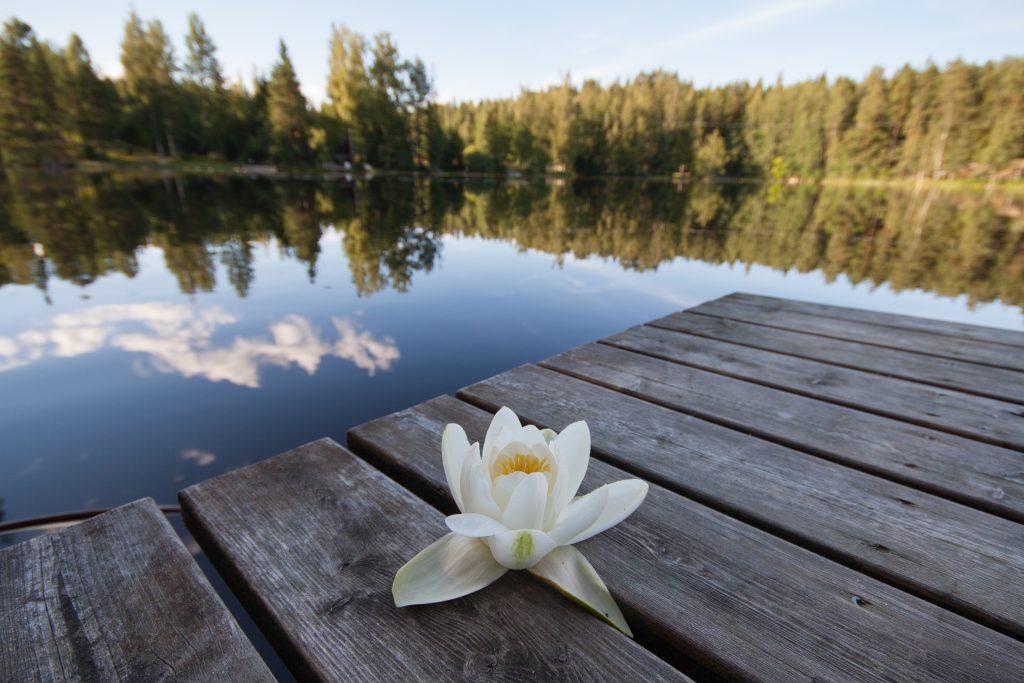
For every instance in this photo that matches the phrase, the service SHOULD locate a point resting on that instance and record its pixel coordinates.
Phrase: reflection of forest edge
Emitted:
(83, 228)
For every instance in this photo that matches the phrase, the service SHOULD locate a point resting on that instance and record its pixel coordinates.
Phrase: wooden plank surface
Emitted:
(956, 556)
(310, 541)
(116, 597)
(782, 315)
(741, 601)
(978, 333)
(974, 473)
(983, 380)
(996, 422)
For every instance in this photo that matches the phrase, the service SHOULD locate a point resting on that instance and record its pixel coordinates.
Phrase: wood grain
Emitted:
(970, 472)
(996, 422)
(116, 597)
(953, 555)
(929, 326)
(310, 541)
(780, 316)
(745, 603)
(972, 378)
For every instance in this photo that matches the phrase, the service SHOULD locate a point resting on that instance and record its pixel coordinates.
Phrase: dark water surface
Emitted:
(155, 332)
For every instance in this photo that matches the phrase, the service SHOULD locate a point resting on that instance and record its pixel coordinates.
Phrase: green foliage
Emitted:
(201, 65)
(711, 155)
(961, 121)
(949, 243)
(286, 113)
(206, 109)
(779, 169)
(29, 122)
(149, 87)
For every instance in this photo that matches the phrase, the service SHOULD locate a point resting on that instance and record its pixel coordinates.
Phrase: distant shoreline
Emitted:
(223, 168)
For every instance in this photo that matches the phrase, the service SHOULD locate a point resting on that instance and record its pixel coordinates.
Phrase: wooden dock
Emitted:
(836, 495)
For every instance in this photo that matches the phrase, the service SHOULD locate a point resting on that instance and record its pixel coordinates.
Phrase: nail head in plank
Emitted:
(311, 540)
(117, 597)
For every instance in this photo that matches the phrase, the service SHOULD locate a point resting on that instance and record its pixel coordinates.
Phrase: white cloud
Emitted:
(32, 338)
(362, 349)
(177, 339)
(75, 341)
(8, 347)
(200, 457)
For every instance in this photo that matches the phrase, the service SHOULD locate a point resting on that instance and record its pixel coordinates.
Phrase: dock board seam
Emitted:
(809, 544)
(767, 325)
(980, 329)
(834, 401)
(947, 493)
(841, 364)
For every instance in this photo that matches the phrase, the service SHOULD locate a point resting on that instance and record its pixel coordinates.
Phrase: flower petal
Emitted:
(476, 490)
(531, 436)
(525, 509)
(579, 516)
(557, 502)
(572, 449)
(520, 548)
(504, 486)
(503, 419)
(510, 449)
(548, 435)
(623, 498)
(454, 449)
(567, 570)
(474, 525)
(446, 569)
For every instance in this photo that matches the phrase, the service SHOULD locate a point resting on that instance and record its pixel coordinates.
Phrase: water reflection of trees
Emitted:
(85, 227)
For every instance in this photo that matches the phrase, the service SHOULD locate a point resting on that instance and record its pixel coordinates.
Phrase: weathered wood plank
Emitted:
(311, 539)
(978, 333)
(777, 316)
(977, 417)
(956, 556)
(974, 473)
(116, 597)
(744, 602)
(983, 380)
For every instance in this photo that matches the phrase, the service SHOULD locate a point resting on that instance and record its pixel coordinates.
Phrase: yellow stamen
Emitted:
(527, 463)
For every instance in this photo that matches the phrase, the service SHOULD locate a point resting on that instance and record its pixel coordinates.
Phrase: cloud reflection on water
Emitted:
(179, 339)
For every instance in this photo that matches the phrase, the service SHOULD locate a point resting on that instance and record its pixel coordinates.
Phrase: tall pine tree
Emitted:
(29, 124)
(286, 112)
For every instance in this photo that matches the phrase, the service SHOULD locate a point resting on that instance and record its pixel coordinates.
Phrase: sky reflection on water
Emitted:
(131, 386)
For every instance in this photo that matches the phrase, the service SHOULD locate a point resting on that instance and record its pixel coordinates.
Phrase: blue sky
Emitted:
(489, 50)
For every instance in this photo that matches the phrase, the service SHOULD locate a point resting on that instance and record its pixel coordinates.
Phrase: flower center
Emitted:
(527, 463)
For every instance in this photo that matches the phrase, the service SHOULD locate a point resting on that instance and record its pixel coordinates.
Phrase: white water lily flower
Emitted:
(518, 510)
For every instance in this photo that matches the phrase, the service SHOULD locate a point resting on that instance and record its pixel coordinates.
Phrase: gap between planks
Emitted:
(1012, 339)
(999, 383)
(398, 437)
(956, 489)
(635, 339)
(985, 354)
(836, 551)
(313, 538)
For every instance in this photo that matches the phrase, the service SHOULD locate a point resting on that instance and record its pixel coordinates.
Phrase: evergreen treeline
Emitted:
(82, 228)
(962, 120)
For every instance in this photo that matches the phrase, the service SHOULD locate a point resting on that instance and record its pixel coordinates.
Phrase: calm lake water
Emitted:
(158, 331)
